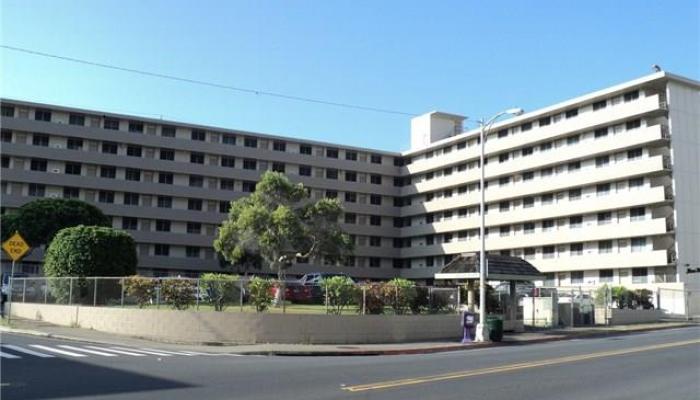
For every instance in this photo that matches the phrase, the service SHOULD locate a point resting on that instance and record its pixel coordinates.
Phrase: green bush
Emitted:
(221, 289)
(140, 288)
(421, 301)
(373, 298)
(261, 293)
(179, 293)
(398, 294)
(90, 251)
(341, 293)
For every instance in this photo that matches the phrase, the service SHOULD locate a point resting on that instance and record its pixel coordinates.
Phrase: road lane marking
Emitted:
(512, 367)
(27, 351)
(99, 353)
(127, 353)
(155, 353)
(8, 355)
(175, 353)
(59, 351)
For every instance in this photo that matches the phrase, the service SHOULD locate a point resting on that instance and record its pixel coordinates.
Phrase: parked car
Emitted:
(313, 282)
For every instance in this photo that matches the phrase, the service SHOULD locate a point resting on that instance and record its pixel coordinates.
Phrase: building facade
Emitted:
(602, 188)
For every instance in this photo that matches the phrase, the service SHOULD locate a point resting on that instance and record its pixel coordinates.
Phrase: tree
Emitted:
(90, 251)
(39, 221)
(340, 292)
(221, 289)
(280, 223)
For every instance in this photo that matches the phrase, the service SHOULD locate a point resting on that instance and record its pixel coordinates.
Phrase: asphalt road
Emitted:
(655, 365)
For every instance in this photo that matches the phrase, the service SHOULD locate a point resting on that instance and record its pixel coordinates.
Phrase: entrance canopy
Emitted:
(498, 268)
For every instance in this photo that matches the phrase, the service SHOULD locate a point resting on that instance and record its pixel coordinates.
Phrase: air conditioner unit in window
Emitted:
(56, 171)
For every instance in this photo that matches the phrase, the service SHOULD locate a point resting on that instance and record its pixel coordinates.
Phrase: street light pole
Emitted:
(482, 333)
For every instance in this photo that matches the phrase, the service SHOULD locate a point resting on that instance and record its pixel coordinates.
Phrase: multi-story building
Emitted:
(600, 188)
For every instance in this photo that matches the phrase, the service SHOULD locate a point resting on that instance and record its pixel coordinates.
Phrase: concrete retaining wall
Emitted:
(617, 316)
(247, 328)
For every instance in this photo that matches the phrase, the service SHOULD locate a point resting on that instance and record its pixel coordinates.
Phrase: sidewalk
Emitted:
(38, 328)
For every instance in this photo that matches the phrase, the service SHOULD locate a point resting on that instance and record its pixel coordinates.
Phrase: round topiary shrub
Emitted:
(90, 251)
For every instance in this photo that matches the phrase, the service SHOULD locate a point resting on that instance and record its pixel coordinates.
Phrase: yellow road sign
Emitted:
(16, 247)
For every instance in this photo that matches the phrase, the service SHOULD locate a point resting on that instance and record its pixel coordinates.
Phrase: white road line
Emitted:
(27, 351)
(7, 355)
(66, 353)
(155, 353)
(175, 353)
(126, 353)
(99, 353)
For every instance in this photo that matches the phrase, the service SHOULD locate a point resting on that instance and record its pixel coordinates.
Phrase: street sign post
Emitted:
(16, 248)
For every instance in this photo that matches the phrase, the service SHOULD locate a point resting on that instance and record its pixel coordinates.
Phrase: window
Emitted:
(599, 105)
(109, 147)
(76, 119)
(429, 261)
(571, 113)
(71, 193)
(108, 172)
(194, 204)
(350, 218)
(198, 135)
(42, 115)
(548, 252)
(375, 241)
(228, 162)
(634, 153)
(637, 213)
(194, 227)
(572, 140)
(130, 223)
(278, 167)
(40, 140)
(528, 175)
(600, 132)
(375, 199)
(350, 176)
(604, 218)
(304, 170)
(503, 157)
(332, 153)
(160, 249)
(374, 262)
(575, 221)
(351, 155)
(547, 198)
(574, 194)
(279, 146)
(8, 111)
(504, 230)
(165, 202)
(74, 144)
(639, 275)
(605, 246)
(576, 277)
(602, 161)
(602, 189)
(226, 184)
(224, 206)
(629, 96)
(545, 146)
(529, 227)
(131, 199)
(37, 190)
(547, 225)
(133, 151)
(196, 181)
(197, 158)
(167, 131)
(529, 253)
(375, 179)
(331, 194)
(331, 174)
(192, 252)
(502, 133)
(605, 275)
(504, 206)
(228, 139)
(638, 244)
(629, 125)
(504, 180)
(38, 165)
(105, 196)
(135, 126)
(6, 136)
(375, 220)
(132, 174)
(165, 178)
(544, 121)
(526, 126)
(636, 183)
(573, 166)
(111, 124)
(73, 168)
(350, 197)
(167, 155)
(526, 151)
(162, 225)
(528, 202)
(248, 186)
(305, 149)
(5, 162)
(376, 159)
(249, 163)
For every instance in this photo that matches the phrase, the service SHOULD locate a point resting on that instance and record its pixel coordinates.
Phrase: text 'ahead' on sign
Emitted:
(16, 247)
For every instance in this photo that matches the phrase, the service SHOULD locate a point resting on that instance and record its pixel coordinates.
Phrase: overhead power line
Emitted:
(205, 83)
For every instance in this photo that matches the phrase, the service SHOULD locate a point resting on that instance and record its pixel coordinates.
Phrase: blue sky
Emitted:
(473, 58)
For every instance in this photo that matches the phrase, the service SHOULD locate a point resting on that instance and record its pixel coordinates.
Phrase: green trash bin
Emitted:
(495, 325)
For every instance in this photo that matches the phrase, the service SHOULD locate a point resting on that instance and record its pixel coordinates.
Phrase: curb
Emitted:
(390, 352)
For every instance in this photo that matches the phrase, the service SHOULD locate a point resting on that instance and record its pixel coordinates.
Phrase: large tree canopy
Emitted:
(39, 220)
(280, 223)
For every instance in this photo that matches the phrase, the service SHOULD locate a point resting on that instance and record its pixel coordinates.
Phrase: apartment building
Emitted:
(602, 188)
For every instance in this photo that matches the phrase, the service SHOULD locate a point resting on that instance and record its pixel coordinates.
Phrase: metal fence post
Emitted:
(46, 290)
(396, 297)
(459, 298)
(70, 291)
(94, 293)
(325, 290)
(158, 296)
(24, 289)
(197, 295)
(240, 300)
(121, 303)
(364, 299)
(572, 308)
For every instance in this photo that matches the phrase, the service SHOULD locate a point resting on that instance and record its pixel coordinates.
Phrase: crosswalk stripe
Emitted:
(127, 353)
(99, 353)
(8, 355)
(27, 351)
(144, 351)
(59, 351)
(176, 353)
